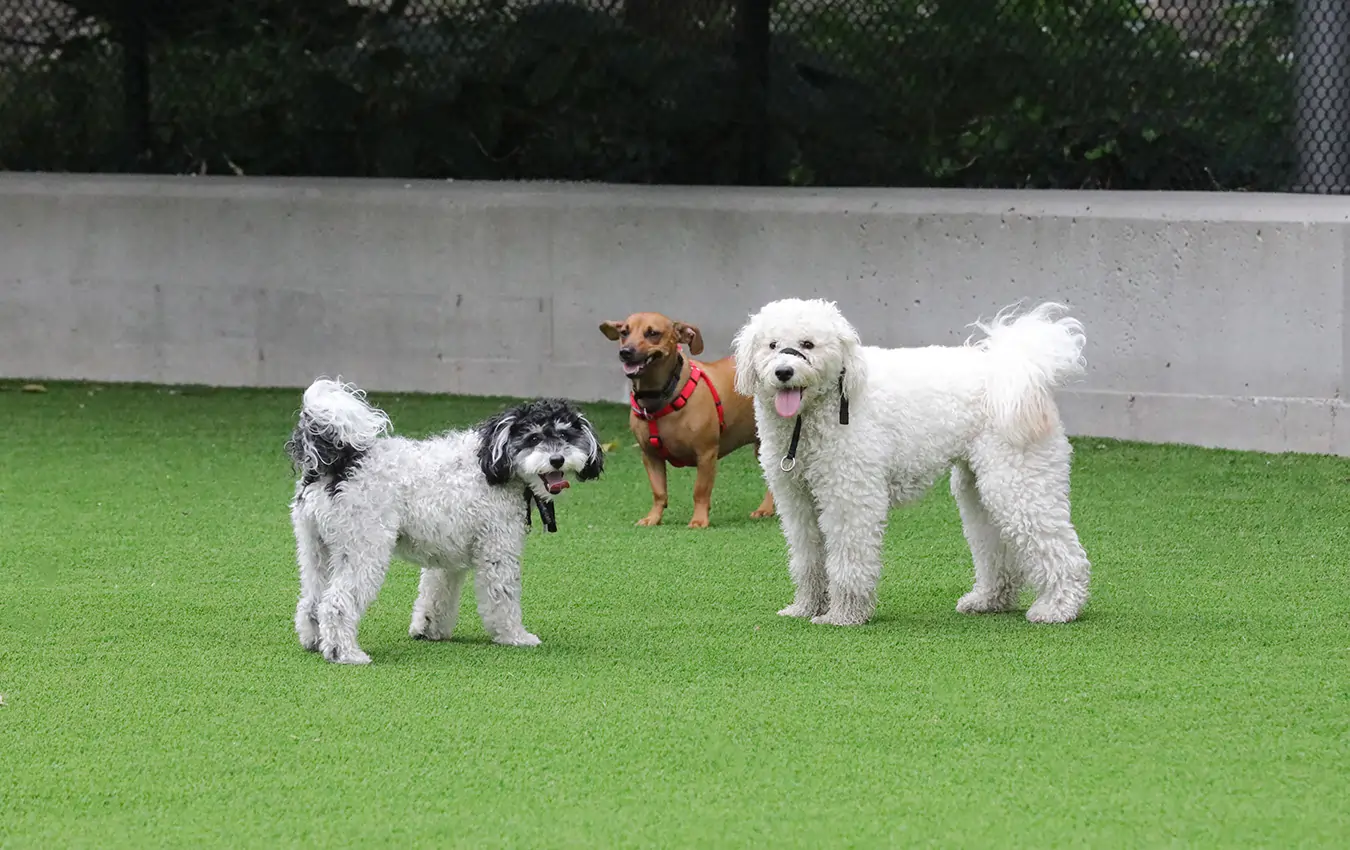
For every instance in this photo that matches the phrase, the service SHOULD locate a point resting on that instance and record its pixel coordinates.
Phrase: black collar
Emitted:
(666, 395)
(790, 459)
(547, 514)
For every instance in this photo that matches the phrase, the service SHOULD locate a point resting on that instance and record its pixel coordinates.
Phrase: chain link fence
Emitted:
(1119, 94)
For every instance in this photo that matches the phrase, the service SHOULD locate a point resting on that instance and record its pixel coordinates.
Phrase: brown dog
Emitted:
(682, 411)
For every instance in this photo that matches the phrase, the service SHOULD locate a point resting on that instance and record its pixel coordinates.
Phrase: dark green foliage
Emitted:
(1037, 93)
(1053, 94)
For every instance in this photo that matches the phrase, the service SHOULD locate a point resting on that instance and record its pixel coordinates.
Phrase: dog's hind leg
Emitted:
(312, 556)
(997, 579)
(853, 524)
(436, 610)
(357, 569)
(765, 508)
(1026, 492)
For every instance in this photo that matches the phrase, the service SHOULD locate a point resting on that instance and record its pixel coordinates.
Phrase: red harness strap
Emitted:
(654, 440)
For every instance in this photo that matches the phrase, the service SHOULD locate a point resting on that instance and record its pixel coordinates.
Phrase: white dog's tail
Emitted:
(337, 426)
(1029, 357)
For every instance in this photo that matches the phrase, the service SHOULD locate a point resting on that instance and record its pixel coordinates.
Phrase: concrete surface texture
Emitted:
(1216, 320)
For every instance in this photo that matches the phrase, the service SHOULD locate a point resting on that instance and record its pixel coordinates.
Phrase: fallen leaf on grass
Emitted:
(608, 447)
(2, 700)
(33, 388)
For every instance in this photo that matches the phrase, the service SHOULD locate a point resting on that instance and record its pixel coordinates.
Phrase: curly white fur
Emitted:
(453, 504)
(984, 410)
(1031, 355)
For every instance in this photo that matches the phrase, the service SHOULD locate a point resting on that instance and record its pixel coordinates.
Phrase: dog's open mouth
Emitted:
(634, 369)
(788, 402)
(555, 482)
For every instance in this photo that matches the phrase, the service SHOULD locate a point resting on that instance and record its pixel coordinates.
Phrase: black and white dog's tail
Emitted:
(337, 426)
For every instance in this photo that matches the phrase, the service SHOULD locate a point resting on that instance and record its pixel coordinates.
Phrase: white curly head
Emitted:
(795, 351)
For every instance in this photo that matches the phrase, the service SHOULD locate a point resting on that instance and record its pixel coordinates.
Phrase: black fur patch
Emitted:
(595, 465)
(496, 471)
(338, 462)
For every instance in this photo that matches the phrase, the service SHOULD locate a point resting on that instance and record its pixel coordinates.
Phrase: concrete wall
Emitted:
(1212, 319)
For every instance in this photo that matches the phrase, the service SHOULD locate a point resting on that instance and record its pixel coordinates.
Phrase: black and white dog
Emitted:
(452, 504)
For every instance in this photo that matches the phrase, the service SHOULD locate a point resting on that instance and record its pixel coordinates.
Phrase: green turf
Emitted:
(155, 694)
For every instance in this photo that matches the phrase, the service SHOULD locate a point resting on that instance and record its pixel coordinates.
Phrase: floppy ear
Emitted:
(690, 336)
(611, 330)
(595, 460)
(855, 368)
(743, 350)
(493, 436)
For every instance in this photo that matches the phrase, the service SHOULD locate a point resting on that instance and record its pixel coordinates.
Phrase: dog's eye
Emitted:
(773, 345)
(653, 334)
(808, 344)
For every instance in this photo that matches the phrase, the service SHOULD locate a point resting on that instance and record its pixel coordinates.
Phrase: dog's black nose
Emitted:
(627, 353)
(784, 373)
(557, 461)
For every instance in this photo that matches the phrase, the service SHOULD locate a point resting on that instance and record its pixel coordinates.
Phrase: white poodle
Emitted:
(849, 430)
(453, 503)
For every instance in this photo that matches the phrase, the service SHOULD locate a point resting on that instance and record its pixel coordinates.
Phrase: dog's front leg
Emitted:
(656, 475)
(703, 487)
(806, 551)
(496, 583)
(853, 522)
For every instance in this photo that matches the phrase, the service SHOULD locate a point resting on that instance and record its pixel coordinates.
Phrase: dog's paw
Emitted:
(648, 521)
(427, 634)
(985, 603)
(424, 630)
(354, 656)
(836, 618)
(308, 632)
(761, 513)
(698, 522)
(1047, 611)
(802, 609)
(521, 639)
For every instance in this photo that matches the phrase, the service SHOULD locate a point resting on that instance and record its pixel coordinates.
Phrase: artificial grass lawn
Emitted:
(155, 693)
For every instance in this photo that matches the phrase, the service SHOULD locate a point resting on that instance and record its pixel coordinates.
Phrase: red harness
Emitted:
(654, 440)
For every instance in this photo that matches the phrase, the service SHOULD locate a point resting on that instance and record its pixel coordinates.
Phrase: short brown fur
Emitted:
(690, 434)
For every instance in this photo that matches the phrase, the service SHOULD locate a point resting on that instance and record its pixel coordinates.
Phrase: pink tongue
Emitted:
(788, 402)
(632, 368)
(555, 482)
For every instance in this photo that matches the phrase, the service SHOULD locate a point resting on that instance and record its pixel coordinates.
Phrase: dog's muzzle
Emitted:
(785, 373)
(634, 363)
